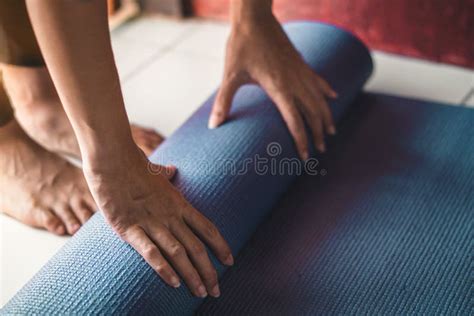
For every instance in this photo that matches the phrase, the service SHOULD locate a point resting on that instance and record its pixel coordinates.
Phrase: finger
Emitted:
(167, 171)
(223, 102)
(325, 87)
(198, 255)
(321, 103)
(139, 240)
(82, 210)
(66, 214)
(328, 122)
(316, 125)
(206, 230)
(293, 120)
(176, 253)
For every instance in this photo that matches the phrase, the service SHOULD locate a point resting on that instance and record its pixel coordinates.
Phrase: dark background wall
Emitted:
(438, 30)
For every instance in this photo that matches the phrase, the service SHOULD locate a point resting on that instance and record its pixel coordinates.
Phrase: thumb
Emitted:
(223, 103)
(167, 171)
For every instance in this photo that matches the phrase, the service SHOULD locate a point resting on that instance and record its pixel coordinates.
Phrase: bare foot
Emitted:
(38, 187)
(40, 113)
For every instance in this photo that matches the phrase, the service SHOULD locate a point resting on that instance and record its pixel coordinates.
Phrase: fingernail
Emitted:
(175, 282)
(170, 170)
(332, 130)
(213, 122)
(305, 155)
(201, 291)
(333, 94)
(215, 292)
(229, 260)
(322, 148)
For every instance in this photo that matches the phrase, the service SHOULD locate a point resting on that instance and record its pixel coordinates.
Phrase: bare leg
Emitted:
(38, 187)
(40, 113)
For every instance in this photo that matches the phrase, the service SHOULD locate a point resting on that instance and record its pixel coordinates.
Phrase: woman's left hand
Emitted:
(260, 52)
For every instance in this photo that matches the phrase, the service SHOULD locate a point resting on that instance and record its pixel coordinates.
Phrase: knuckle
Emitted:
(175, 218)
(176, 251)
(120, 230)
(211, 231)
(162, 269)
(149, 251)
(198, 249)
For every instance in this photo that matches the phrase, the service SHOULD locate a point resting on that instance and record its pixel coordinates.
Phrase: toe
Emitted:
(82, 210)
(68, 217)
(148, 148)
(146, 139)
(51, 222)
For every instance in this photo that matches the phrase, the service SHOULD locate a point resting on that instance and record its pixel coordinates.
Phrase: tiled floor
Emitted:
(167, 69)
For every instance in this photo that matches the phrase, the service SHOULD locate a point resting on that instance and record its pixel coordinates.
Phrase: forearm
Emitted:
(75, 41)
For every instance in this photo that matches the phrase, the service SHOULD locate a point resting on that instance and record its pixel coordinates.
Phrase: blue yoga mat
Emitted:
(380, 225)
(98, 273)
(387, 231)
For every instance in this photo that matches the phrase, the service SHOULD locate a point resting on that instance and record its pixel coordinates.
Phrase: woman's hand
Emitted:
(258, 51)
(135, 196)
(149, 213)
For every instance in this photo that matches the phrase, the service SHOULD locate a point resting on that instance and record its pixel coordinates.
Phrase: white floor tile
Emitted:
(131, 54)
(153, 30)
(208, 39)
(416, 78)
(170, 89)
(469, 98)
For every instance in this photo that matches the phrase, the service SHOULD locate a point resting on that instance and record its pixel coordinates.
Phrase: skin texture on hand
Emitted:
(148, 212)
(258, 51)
(136, 197)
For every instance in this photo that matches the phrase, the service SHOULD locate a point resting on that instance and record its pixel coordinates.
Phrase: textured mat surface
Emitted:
(97, 273)
(387, 231)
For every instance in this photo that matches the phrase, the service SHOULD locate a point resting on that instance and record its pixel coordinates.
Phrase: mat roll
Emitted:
(95, 272)
(387, 231)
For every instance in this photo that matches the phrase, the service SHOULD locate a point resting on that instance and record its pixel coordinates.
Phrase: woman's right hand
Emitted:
(142, 206)
(149, 213)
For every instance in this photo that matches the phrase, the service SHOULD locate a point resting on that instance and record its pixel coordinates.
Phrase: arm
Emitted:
(258, 51)
(142, 206)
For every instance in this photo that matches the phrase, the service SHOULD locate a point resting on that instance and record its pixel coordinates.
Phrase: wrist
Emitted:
(250, 12)
(107, 152)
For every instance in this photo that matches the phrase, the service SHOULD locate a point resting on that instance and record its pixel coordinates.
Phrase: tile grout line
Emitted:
(468, 95)
(158, 55)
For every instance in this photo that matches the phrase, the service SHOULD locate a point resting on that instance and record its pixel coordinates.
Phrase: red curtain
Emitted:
(438, 30)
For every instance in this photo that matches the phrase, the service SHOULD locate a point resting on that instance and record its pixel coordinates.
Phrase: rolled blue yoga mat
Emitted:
(97, 273)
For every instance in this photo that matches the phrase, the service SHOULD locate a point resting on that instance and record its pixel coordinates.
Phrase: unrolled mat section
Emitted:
(387, 230)
(220, 173)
